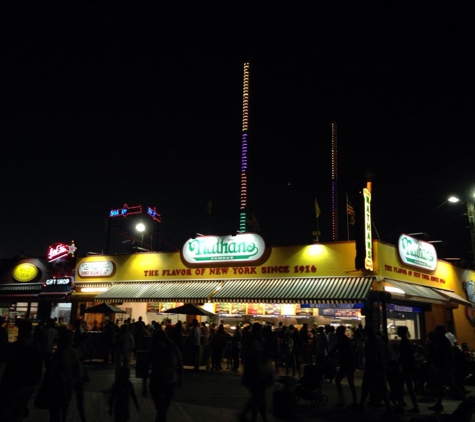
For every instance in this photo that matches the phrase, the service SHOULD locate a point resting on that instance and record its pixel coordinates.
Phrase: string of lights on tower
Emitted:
(245, 123)
(334, 153)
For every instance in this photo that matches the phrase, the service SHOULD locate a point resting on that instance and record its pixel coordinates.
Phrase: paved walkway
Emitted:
(218, 396)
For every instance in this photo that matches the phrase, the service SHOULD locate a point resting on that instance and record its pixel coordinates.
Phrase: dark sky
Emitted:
(140, 103)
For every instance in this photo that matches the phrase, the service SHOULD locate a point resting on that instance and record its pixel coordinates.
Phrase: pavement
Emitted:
(219, 396)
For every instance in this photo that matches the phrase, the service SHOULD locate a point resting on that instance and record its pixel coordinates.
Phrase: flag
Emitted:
(209, 207)
(350, 211)
(252, 223)
(317, 209)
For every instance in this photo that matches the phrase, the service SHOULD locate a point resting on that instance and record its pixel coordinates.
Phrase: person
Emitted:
(176, 335)
(111, 330)
(258, 374)
(332, 363)
(49, 341)
(121, 393)
(306, 353)
(375, 372)
(195, 338)
(139, 330)
(360, 339)
(80, 344)
(443, 365)
(322, 345)
(343, 350)
(125, 345)
(218, 344)
(166, 372)
(286, 351)
(451, 337)
(23, 370)
(407, 363)
(296, 352)
(3, 340)
(236, 347)
(141, 353)
(205, 333)
(62, 374)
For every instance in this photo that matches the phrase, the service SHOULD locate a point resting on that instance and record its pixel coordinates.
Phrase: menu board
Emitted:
(303, 311)
(238, 308)
(222, 308)
(165, 306)
(256, 309)
(153, 306)
(273, 309)
(342, 313)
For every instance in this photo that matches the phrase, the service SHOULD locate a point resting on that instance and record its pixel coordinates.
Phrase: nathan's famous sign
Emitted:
(244, 247)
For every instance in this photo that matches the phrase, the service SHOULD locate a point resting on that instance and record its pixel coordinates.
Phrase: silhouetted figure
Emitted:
(286, 350)
(23, 370)
(49, 341)
(443, 364)
(62, 375)
(195, 342)
(258, 373)
(344, 351)
(166, 372)
(79, 343)
(374, 375)
(176, 335)
(124, 346)
(121, 393)
(111, 330)
(322, 345)
(296, 350)
(407, 362)
(360, 339)
(236, 347)
(3, 340)
(217, 343)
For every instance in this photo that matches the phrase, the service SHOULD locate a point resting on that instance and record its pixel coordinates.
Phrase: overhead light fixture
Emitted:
(93, 289)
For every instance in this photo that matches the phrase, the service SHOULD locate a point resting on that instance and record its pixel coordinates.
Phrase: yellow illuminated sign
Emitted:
(25, 272)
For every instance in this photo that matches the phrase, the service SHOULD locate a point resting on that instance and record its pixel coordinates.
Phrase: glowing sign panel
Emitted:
(417, 253)
(246, 247)
(25, 272)
(96, 269)
(125, 211)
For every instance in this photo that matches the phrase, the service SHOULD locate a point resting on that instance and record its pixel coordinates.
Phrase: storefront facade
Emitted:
(37, 287)
(317, 284)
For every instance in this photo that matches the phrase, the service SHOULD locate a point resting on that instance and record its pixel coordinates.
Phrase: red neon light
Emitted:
(125, 211)
(60, 250)
(56, 251)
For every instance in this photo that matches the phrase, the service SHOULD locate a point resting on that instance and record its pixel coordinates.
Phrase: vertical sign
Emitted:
(367, 229)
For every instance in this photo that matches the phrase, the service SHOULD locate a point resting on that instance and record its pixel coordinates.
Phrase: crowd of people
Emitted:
(52, 355)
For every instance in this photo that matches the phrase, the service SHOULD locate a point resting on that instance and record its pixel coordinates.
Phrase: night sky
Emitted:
(140, 104)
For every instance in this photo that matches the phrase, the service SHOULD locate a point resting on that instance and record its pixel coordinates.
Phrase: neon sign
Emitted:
(60, 250)
(125, 211)
(152, 212)
(367, 227)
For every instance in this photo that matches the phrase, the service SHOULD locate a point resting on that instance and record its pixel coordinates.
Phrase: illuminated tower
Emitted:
(245, 123)
(334, 181)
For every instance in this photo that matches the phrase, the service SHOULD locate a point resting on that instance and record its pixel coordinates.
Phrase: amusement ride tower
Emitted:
(245, 124)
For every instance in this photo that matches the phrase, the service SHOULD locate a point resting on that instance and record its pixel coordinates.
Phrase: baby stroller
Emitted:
(310, 385)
